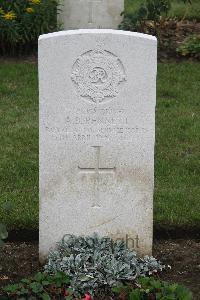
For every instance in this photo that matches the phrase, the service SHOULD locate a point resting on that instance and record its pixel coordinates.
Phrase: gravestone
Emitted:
(97, 130)
(77, 14)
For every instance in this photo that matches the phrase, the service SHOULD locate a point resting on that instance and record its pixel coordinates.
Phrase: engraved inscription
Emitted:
(96, 124)
(96, 171)
(97, 75)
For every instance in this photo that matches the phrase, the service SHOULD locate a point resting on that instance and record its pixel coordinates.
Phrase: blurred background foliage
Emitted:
(22, 21)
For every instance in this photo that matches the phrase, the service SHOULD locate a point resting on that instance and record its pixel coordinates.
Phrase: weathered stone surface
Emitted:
(78, 14)
(97, 127)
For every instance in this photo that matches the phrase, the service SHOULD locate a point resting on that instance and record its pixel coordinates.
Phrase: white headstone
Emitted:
(77, 14)
(97, 130)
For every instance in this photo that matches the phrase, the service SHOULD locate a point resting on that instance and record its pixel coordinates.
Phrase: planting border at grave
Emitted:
(177, 37)
(98, 268)
(22, 21)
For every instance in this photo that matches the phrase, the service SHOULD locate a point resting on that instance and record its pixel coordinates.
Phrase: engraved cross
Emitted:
(91, 2)
(97, 171)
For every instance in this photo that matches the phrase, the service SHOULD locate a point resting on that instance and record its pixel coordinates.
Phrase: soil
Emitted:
(183, 256)
(20, 259)
(172, 33)
(30, 59)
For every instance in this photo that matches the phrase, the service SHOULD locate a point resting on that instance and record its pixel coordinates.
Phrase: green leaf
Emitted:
(169, 297)
(173, 287)
(39, 277)
(23, 291)
(36, 287)
(11, 288)
(183, 293)
(45, 282)
(45, 296)
(158, 296)
(68, 298)
(136, 295)
(25, 280)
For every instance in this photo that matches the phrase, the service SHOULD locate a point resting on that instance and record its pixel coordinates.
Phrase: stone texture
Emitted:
(77, 14)
(97, 131)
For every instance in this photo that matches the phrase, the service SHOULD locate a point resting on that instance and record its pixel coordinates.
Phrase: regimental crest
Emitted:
(97, 75)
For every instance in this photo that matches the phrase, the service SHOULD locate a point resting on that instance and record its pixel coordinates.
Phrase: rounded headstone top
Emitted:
(96, 32)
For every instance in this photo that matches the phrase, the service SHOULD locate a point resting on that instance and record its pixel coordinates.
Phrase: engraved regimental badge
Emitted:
(97, 75)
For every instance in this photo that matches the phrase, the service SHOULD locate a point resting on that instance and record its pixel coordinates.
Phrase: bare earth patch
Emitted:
(19, 260)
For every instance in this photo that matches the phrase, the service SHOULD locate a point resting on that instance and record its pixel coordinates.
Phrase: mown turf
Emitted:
(19, 143)
(177, 168)
(177, 188)
(178, 8)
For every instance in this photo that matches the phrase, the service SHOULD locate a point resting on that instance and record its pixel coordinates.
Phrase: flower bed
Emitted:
(22, 21)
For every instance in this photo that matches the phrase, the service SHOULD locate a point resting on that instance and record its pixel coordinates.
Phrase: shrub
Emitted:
(149, 10)
(152, 18)
(22, 21)
(94, 263)
(190, 46)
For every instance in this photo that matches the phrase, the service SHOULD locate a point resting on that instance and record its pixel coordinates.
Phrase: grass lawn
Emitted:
(178, 8)
(19, 143)
(177, 189)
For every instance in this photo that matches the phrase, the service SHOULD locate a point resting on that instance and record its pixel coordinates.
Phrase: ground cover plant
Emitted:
(151, 289)
(47, 287)
(93, 262)
(181, 254)
(177, 191)
(94, 267)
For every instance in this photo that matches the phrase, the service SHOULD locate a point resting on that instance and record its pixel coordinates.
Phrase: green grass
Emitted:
(177, 168)
(178, 8)
(177, 189)
(19, 143)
